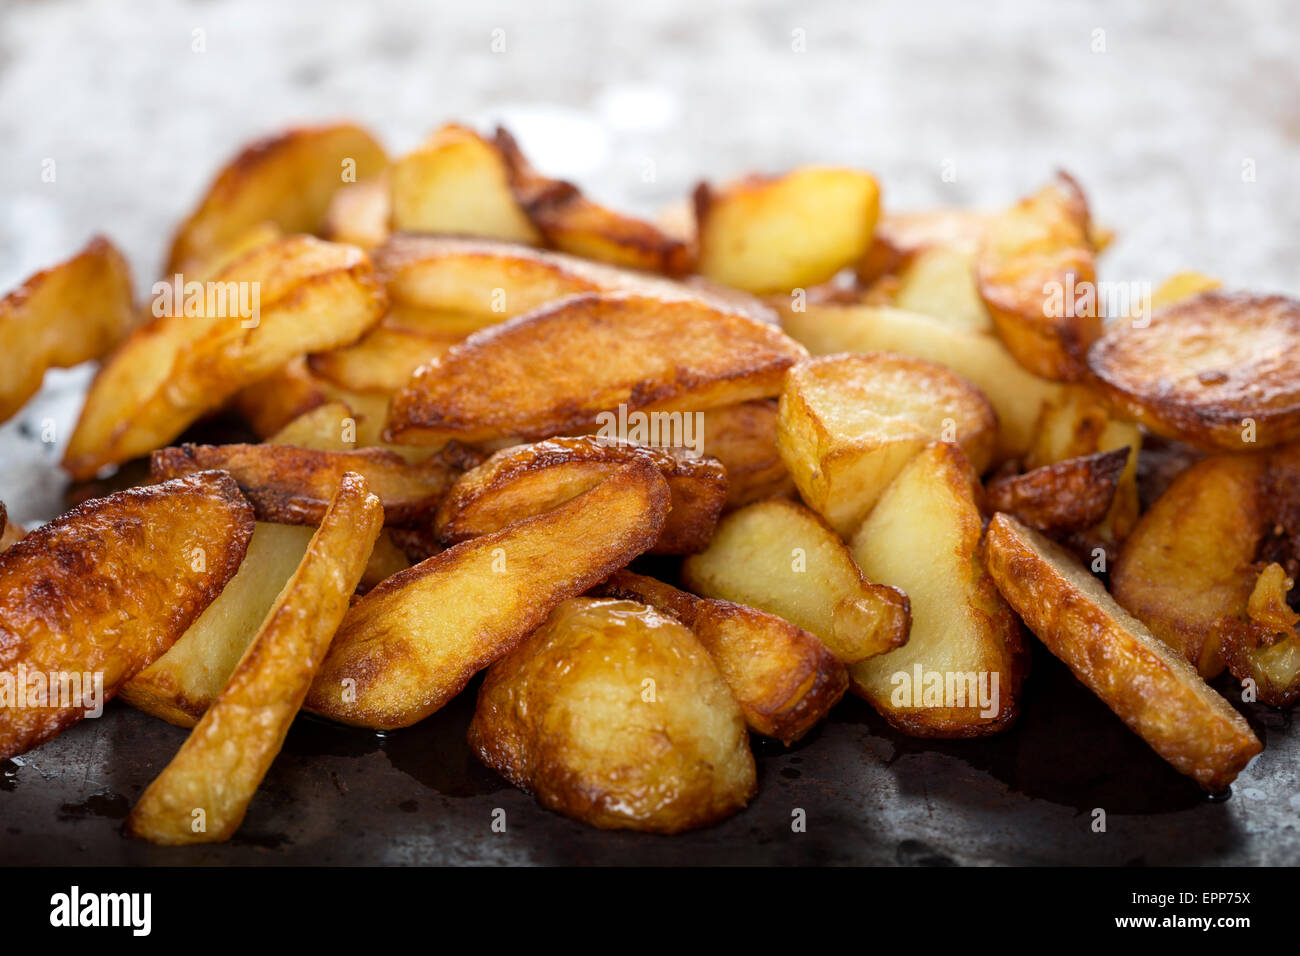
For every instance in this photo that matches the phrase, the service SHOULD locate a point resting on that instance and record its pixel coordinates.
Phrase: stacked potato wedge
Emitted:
(666, 486)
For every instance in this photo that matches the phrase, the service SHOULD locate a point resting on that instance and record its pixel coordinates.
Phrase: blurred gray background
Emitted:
(1182, 123)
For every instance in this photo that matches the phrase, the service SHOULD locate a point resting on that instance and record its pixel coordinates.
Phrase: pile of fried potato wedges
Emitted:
(668, 483)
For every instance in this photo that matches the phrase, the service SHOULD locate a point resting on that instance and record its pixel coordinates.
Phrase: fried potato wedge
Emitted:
(784, 678)
(613, 714)
(528, 480)
(959, 674)
(96, 595)
(1190, 566)
(1017, 396)
(574, 224)
(295, 485)
(1068, 495)
(221, 764)
(743, 438)
(383, 361)
(413, 642)
(1036, 272)
(335, 427)
(1265, 647)
(778, 556)
(482, 281)
(458, 183)
(774, 234)
(313, 295)
(1148, 685)
(288, 179)
(553, 371)
(941, 282)
(1217, 370)
(286, 394)
(182, 684)
(359, 213)
(1077, 423)
(62, 316)
(849, 423)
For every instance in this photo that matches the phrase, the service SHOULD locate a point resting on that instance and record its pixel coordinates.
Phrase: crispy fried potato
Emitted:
(481, 282)
(383, 361)
(778, 556)
(99, 593)
(180, 686)
(573, 223)
(335, 427)
(528, 480)
(1016, 395)
(613, 714)
(1076, 424)
(1182, 285)
(1188, 569)
(783, 677)
(1217, 370)
(222, 762)
(554, 371)
(10, 531)
(1036, 272)
(283, 396)
(413, 642)
(849, 423)
(959, 673)
(62, 316)
(1265, 647)
(458, 183)
(288, 179)
(388, 558)
(743, 438)
(1069, 495)
(359, 213)
(293, 485)
(774, 234)
(1149, 686)
(941, 282)
(313, 295)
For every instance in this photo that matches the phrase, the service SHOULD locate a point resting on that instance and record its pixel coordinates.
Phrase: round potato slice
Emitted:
(1217, 370)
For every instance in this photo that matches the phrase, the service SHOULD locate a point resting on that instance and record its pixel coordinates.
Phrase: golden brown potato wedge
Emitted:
(743, 438)
(181, 685)
(359, 213)
(783, 677)
(1217, 370)
(553, 371)
(528, 480)
(203, 794)
(288, 179)
(1017, 396)
(940, 281)
(1188, 569)
(94, 596)
(293, 485)
(613, 714)
(849, 423)
(1075, 424)
(959, 673)
(286, 394)
(571, 222)
(383, 361)
(1149, 686)
(1036, 272)
(774, 234)
(778, 556)
(295, 296)
(413, 642)
(469, 283)
(458, 183)
(1069, 495)
(62, 316)
(1265, 647)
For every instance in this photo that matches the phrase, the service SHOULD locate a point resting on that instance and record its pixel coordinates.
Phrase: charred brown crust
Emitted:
(475, 506)
(1205, 367)
(1069, 495)
(293, 485)
(107, 587)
